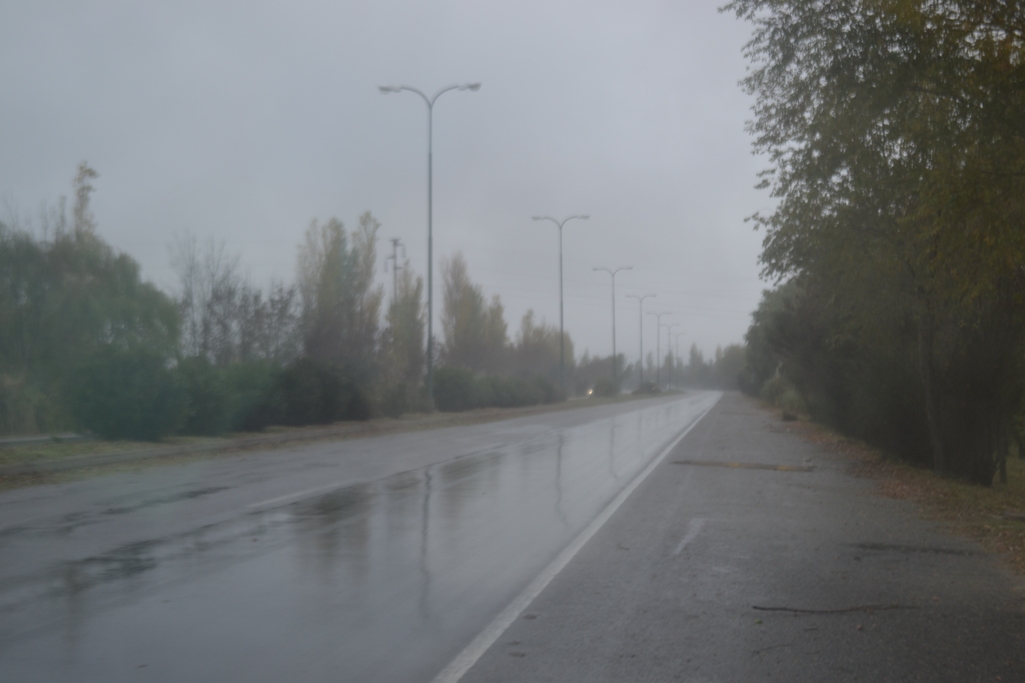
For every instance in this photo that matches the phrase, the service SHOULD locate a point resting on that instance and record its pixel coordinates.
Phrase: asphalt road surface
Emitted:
(684, 538)
(373, 559)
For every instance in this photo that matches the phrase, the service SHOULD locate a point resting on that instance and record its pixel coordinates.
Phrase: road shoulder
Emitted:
(752, 553)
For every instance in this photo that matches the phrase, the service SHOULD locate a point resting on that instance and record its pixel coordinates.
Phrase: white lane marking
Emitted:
(693, 529)
(458, 667)
(298, 494)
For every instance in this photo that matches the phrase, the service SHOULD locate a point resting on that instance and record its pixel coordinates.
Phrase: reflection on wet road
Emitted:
(385, 580)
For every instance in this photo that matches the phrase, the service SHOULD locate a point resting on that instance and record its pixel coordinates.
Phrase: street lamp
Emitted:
(612, 272)
(669, 345)
(658, 348)
(640, 326)
(430, 215)
(562, 335)
(679, 381)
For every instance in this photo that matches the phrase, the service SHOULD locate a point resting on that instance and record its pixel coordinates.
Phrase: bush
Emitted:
(455, 389)
(403, 397)
(647, 388)
(312, 392)
(127, 394)
(209, 411)
(606, 387)
(26, 409)
(782, 394)
(508, 392)
(254, 404)
(547, 389)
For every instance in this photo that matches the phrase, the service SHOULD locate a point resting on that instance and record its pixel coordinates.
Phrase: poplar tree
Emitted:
(895, 132)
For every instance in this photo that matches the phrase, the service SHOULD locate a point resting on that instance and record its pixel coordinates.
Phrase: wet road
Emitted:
(373, 559)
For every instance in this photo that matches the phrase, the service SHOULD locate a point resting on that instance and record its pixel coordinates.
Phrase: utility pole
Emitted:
(658, 347)
(394, 258)
(640, 318)
(612, 272)
(562, 333)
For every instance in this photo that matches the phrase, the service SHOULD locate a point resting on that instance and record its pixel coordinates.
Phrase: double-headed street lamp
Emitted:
(640, 326)
(669, 346)
(680, 373)
(658, 348)
(612, 272)
(430, 214)
(562, 334)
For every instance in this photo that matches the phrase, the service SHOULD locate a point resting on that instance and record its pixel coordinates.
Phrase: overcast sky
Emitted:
(242, 121)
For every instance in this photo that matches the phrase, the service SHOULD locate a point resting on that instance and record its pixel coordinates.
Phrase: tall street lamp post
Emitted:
(669, 348)
(658, 348)
(612, 272)
(640, 327)
(430, 215)
(562, 334)
(680, 372)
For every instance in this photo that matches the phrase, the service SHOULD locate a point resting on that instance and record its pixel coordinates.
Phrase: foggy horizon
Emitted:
(241, 128)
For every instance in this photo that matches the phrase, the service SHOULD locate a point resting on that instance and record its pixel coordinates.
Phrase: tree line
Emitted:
(86, 344)
(896, 138)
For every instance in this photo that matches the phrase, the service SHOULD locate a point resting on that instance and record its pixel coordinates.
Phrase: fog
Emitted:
(242, 121)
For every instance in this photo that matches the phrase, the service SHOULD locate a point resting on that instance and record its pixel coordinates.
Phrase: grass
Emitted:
(975, 512)
(52, 450)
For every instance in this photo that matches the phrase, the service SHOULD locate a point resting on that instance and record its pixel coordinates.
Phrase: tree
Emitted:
(84, 221)
(340, 305)
(475, 332)
(896, 133)
(536, 350)
(63, 299)
(402, 347)
(225, 318)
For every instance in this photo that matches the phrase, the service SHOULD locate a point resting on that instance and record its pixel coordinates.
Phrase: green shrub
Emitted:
(209, 411)
(547, 389)
(647, 388)
(458, 389)
(253, 402)
(127, 394)
(508, 392)
(455, 389)
(781, 393)
(605, 386)
(311, 392)
(403, 397)
(26, 409)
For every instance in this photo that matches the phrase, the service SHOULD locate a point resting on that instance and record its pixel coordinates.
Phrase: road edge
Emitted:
(465, 660)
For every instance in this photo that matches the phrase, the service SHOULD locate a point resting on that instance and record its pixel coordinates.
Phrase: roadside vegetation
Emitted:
(896, 139)
(87, 345)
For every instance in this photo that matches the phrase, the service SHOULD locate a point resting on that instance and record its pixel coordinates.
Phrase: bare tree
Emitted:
(225, 318)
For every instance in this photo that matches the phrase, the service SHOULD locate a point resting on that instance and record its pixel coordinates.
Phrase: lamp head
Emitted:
(470, 86)
(388, 88)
